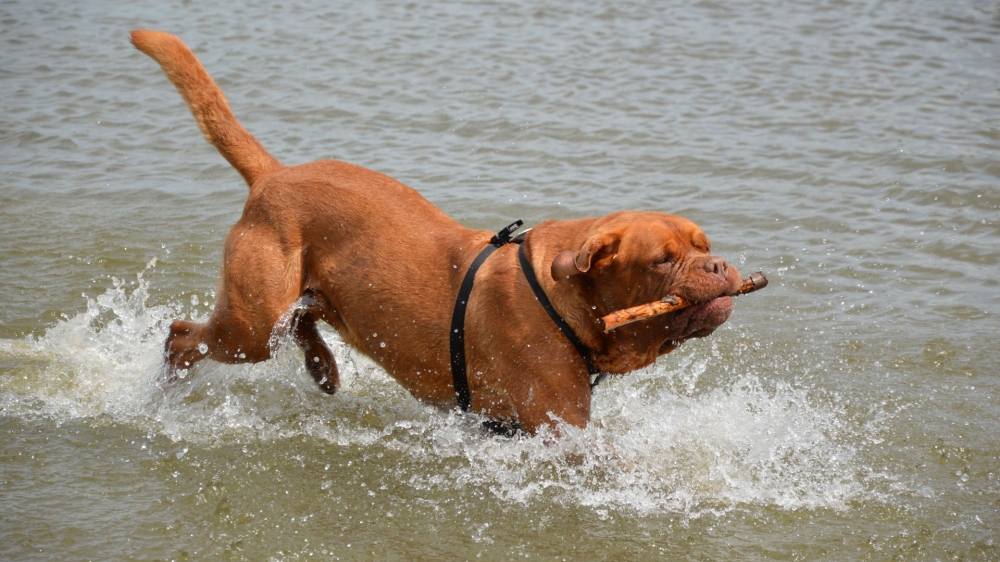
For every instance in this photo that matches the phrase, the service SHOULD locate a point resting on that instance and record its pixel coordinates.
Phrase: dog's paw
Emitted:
(328, 385)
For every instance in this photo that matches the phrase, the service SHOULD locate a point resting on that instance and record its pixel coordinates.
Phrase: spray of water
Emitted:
(659, 442)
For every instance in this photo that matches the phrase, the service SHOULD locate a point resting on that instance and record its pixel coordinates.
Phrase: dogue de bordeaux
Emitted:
(384, 267)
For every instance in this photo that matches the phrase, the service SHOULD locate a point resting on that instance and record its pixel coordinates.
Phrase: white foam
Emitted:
(660, 440)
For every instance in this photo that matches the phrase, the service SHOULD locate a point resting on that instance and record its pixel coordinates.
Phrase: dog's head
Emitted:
(631, 258)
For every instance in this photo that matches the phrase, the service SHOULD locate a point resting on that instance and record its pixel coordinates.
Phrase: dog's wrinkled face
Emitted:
(634, 258)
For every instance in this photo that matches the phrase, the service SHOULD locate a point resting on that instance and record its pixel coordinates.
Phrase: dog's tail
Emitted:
(207, 104)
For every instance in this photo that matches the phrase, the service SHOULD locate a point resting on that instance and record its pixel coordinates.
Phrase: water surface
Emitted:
(847, 148)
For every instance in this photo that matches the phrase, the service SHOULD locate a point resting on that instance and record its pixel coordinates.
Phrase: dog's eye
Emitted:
(664, 260)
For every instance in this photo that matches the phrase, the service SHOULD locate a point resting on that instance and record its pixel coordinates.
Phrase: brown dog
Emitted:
(383, 266)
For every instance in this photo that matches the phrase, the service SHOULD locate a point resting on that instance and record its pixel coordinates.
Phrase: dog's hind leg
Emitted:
(319, 359)
(183, 348)
(248, 305)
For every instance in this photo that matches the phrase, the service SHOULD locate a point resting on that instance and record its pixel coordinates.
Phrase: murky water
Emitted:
(848, 149)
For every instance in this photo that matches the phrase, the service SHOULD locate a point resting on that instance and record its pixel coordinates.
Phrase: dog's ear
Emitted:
(564, 266)
(598, 247)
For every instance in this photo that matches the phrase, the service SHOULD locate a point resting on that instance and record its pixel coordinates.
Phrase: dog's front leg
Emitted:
(554, 397)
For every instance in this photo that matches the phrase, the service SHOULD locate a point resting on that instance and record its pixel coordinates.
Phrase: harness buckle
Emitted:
(503, 237)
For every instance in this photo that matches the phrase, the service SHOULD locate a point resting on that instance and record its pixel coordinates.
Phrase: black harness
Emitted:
(458, 368)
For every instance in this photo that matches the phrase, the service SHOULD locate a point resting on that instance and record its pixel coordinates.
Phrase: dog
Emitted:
(384, 267)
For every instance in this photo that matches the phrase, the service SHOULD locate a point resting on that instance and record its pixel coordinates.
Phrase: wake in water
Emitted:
(655, 444)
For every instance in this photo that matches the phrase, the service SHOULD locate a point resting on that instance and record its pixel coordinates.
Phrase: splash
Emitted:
(92, 364)
(652, 450)
(662, 440)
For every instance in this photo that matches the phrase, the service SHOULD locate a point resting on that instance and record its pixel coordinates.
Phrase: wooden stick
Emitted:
(670, 303)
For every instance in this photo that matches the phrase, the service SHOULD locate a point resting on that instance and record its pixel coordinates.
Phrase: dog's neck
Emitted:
(578, 301)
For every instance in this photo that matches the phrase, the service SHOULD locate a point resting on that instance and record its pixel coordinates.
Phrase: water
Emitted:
(848, 149)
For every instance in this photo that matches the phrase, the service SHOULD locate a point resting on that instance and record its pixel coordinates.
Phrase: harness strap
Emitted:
(543, 299)
(459, 375)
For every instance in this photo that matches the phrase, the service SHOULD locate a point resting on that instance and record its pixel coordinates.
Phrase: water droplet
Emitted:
(381, 344)
(203, 347)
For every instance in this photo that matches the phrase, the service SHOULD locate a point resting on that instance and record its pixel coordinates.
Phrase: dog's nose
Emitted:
(717, 266)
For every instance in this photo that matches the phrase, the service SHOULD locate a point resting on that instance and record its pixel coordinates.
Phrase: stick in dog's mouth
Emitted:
(670, 303)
